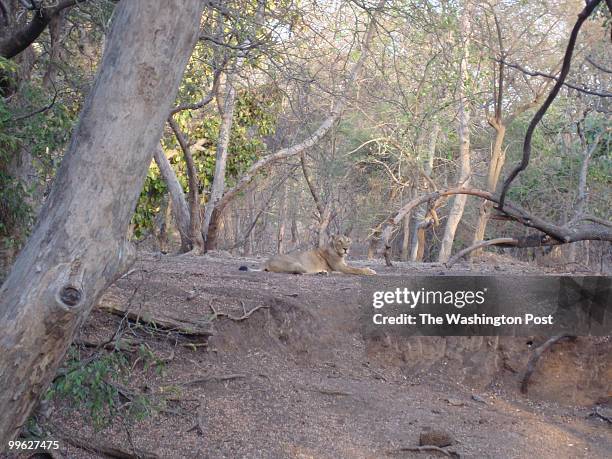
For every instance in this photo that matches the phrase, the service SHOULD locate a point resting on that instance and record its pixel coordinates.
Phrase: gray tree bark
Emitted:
(78, 246)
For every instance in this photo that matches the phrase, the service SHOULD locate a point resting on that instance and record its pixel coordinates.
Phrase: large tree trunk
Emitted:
(456, 212)
(78, 246)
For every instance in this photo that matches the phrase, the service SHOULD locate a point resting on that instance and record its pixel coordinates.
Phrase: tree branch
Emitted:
(565, 68)
(25, 36)
(552, 77)
(318, 134)
(554, 234)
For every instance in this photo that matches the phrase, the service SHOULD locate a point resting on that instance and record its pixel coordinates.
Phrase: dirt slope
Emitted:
(296, 379)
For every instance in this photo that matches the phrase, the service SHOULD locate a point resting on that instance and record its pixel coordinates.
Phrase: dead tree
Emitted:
(79, 246)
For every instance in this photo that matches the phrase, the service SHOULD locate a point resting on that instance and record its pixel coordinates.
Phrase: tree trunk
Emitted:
(582, 196)
(422, 222)
(456, 212)
(406, 239)
(498, 158)
(78, 246)
(177, 196)
(218, 185)
(214, 227)
(195, 217)
(56, 33)
(281, 245)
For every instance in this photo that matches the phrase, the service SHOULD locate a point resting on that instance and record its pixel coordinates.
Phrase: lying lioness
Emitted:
(321, 260)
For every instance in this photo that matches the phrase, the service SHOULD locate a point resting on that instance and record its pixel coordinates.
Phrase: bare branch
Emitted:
(552, 77)
(554, 234)
(565, 68)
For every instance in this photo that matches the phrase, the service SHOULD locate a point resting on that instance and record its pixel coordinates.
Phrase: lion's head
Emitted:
(341, 244)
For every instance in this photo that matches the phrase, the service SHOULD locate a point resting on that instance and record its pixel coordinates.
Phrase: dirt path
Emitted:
(296, 379)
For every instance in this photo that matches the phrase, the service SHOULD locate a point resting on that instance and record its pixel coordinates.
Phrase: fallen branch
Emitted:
(216, 378)
(325, 391)
(598, 414)
(536, 356)
(180, 326)
(479, 245)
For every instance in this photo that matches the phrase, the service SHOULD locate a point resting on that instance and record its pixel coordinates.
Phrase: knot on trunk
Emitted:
(70, 295)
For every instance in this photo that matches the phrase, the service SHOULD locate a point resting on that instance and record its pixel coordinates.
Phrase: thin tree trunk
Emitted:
(195, 217)
(582, 197)
(456, 212)
(406, 239)
(218, 185)
(498, 158)
(179, 207)
(422, 222)
(78, 246)
(161, 222)
(56, 32)
(281, 245)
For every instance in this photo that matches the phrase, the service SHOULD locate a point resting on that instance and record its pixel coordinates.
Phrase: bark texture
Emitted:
(78, 246)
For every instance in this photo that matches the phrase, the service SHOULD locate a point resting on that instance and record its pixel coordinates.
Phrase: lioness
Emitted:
(321, 260)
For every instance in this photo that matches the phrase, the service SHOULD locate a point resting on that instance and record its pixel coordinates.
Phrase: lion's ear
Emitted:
(334, 237)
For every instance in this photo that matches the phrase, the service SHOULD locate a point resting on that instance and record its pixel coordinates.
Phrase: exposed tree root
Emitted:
(598, 414)
(536, 356)
(216, 378)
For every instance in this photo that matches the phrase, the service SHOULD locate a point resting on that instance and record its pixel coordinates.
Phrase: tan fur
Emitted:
(321, 260)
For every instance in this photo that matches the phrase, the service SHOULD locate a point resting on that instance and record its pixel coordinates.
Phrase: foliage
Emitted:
(43, 135)
(254, 119)
(94, 384)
